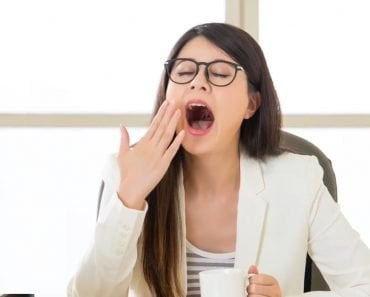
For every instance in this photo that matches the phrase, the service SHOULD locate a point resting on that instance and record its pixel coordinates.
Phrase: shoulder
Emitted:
(291, 162)
(288, 179)
(297, 167)
(284, 167)
(292, 170)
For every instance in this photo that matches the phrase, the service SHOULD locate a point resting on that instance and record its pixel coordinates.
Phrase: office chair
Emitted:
(313, 280)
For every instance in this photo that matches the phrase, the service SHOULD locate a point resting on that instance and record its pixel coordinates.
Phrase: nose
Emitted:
(200, 80)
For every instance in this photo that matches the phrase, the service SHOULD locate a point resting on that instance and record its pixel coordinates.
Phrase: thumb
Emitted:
(125, 140)
(253, 270)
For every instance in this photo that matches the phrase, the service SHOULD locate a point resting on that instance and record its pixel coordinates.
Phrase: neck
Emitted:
(212, 175)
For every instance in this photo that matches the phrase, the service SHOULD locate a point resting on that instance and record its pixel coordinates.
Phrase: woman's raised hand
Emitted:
(144, 165)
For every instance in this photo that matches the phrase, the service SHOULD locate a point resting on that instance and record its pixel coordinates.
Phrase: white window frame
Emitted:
(242, 13)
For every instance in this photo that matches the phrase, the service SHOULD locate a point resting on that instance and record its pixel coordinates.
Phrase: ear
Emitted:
(254, 103)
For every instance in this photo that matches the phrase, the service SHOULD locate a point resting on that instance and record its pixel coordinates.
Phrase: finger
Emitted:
(125, 140)
(253, 269)
(258, 290)
(174, 147)
(168, 134)
(262, 279)
(262, 284)
(156, 120)
(163, 124)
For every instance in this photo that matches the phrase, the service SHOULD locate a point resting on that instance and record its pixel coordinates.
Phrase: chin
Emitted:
(196, 148)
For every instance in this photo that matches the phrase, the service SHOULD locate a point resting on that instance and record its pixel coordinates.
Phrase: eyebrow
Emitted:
(215, 60)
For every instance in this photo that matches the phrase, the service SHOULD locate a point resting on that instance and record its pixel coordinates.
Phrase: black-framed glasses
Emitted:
(219, 72)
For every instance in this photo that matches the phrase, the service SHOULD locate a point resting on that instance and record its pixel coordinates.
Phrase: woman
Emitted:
(208, 181)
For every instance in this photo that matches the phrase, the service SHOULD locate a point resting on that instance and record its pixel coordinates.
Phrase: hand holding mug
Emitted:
(262, 284)
(237, 283)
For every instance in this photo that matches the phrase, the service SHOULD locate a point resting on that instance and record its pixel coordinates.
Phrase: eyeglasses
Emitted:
(219, 72)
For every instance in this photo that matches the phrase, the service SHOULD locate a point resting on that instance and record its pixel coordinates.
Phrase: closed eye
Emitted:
(184, 73)
(221, 75)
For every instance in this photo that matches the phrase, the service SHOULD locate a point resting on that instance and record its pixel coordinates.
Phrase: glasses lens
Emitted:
(183, 71)
(221, 73)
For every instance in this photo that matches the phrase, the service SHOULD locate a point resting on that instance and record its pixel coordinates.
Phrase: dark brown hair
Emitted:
(259, 138)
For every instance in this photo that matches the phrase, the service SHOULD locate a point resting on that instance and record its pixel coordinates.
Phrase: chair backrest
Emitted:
(313, 279)
(289, 142)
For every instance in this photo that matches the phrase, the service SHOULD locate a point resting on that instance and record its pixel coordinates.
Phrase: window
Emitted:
(71, 58)
(90, 56)
(318, 54)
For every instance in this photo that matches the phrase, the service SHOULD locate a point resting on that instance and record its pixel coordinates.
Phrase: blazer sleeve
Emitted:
(337, 250)
(106, 270)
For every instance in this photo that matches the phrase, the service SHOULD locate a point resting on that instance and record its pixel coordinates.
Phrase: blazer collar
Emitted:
(251, 213)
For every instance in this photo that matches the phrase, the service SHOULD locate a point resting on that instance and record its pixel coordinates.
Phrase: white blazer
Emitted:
(284, 211)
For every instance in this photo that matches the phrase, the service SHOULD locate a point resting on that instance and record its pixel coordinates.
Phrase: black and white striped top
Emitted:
(198, 260)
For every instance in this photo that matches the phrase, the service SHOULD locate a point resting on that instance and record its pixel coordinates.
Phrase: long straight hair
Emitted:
(259, 138)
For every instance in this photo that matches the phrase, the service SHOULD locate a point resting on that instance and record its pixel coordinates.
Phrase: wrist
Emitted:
(130, 202)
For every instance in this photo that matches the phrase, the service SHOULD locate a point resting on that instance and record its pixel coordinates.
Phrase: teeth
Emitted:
(190, 106)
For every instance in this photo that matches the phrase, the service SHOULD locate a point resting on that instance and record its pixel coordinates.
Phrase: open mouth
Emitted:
(199, 116)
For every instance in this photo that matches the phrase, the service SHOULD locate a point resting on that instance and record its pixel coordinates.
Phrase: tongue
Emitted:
(201, 125)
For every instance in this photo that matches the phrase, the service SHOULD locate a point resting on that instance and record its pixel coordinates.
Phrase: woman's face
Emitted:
(211, 116)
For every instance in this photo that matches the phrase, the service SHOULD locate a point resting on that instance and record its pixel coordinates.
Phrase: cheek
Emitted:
(235, 106)
(232, 115)
(175, 95)
(172, 92)
(243, 101)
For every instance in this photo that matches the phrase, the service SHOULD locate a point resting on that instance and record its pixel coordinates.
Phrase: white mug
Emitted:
(223, 282)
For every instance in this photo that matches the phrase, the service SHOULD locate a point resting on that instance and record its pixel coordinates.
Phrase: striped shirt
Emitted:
(198, 260)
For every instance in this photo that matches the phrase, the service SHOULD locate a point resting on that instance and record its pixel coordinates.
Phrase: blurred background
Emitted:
(72, 71)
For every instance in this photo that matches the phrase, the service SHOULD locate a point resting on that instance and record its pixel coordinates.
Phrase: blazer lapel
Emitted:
(251, 213)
